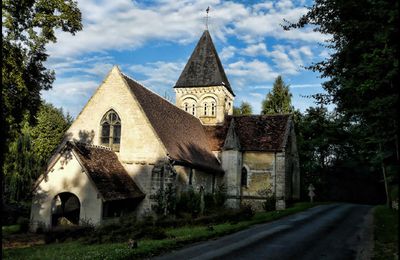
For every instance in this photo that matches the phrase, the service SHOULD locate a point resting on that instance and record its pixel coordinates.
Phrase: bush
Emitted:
(189, 202)
(269, 204)
(153, 233)
(23, 224)
(220, 196)
(62, 233)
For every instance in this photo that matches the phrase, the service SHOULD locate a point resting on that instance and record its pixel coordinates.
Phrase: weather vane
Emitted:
(207, 11)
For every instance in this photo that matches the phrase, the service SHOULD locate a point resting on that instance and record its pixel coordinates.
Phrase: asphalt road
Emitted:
(336, 231)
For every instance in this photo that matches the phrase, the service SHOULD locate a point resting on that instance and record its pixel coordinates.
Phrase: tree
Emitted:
(49, 130)
(28, 153)
(244, 109)
(28, 26)
(279, 101)
(362, 72)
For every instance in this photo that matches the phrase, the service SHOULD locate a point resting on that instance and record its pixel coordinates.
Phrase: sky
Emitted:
(151, 42)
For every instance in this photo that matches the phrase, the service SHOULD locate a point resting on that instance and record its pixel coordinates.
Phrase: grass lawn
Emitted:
(177, 237)
(386, 231)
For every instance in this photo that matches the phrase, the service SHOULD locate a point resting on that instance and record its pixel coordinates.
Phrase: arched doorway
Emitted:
(65, 209)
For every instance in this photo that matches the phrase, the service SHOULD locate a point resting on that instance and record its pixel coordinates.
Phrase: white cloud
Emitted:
(71, 94)
(227, 53)
(251, 71)
(126, 24)
(255, 50)
(160, 75)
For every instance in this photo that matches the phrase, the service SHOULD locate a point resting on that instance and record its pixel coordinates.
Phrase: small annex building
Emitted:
(128, 142)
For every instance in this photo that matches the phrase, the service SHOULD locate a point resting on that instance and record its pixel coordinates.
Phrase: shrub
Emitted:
(153, 233)
(220, 196)
(23, 224)
(63, 233)
(189, 202)
(269, 203)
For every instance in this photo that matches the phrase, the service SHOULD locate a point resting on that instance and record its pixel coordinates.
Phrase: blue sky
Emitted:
(152, 40)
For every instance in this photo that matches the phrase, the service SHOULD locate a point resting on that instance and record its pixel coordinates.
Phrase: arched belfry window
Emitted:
(111, 130)
(209, 106)
(244, 177)
(213, 108)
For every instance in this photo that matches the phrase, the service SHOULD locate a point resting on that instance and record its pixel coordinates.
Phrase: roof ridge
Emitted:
(87, 145)
(140, 84)
(158, 95)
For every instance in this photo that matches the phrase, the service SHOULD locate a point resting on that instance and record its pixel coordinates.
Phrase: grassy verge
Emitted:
(386, 232)
(177, 237)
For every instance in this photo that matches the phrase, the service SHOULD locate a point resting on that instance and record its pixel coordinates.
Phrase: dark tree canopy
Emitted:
(362, 73)
(28, 26)
(279, 100)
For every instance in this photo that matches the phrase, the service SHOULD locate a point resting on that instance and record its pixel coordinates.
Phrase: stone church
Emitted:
(128, 142)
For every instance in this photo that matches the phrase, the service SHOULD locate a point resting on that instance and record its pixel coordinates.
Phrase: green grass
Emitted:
(9, 230)
(386, 232)
(177, 237)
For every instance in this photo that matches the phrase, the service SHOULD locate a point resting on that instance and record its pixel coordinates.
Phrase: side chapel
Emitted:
(128, 142)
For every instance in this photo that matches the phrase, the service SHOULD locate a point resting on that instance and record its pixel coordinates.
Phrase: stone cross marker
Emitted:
(311, 193)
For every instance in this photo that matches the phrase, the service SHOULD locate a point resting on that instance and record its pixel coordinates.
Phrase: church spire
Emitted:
(204, 68)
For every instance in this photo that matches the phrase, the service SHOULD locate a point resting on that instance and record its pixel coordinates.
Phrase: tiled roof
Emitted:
(255, 132)
(181, 133)
(204, 67)
(106, 172)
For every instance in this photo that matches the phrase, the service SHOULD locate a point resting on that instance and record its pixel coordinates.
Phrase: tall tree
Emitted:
(244, 109)
(363, 70)
(28, 26)
(279, 100)
(29, 152)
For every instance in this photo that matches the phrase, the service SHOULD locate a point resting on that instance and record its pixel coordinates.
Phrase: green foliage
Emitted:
(362, 74)
(23, 224)
(165, 200)
(188, 202)
(244, 109)
(49, 130)
(28, 154)
(21, 168)
(279, 101)
(27, 28)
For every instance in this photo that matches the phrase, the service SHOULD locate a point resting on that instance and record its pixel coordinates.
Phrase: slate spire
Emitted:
(204, 68)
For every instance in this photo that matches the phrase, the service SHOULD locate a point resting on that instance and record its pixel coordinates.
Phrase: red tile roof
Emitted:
(106, 172)
(181, 133)
(255, 132)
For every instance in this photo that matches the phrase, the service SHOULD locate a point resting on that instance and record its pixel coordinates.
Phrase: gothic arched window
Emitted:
(186, 107)
(111, 130)
(213, 108)
(244, 177)
(205, 109)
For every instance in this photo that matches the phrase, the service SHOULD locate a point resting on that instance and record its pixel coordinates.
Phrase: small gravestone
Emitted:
(311, 193)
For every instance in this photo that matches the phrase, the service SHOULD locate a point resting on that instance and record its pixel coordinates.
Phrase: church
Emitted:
(128, 142)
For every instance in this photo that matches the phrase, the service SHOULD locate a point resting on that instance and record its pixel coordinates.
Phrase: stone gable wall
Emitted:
(66, 176)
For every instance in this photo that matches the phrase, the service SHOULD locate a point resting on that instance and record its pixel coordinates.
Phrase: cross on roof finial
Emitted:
(207, 11)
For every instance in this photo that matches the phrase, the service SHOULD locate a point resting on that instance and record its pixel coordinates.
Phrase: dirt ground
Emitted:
(22, 240)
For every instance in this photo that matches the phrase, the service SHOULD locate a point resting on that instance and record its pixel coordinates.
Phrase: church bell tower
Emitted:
(203, 89)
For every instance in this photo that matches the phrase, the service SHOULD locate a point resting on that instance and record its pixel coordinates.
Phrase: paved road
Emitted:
(336, 231)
